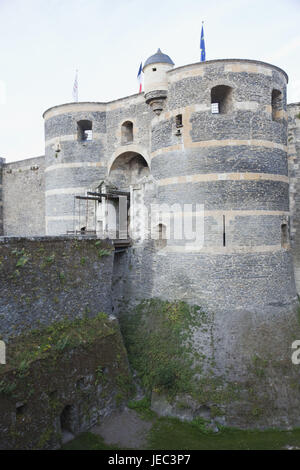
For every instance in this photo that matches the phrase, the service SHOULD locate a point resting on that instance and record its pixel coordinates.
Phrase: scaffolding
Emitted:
(85, 212)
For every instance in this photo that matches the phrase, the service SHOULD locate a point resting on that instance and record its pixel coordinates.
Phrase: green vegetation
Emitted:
(22, 256)
(88, 441)
(103, 252)
(158, 336)
(55, 338)
(125, 388)
(156, 339)
(62, 276)
(259, 365)
(142, 407)
(22, 261)
(7, 388)
(172, 434)
(99, 374)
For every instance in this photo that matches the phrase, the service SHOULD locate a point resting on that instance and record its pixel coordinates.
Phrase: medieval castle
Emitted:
(217, 133)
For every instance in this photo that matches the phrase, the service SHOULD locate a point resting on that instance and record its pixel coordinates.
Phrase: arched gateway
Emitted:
(120, 209)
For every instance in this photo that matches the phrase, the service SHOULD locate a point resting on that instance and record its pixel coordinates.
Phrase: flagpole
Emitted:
(75, 87)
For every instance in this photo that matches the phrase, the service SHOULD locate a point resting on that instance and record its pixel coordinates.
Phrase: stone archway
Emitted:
(128, 169)
(123, 209)
(130, 148)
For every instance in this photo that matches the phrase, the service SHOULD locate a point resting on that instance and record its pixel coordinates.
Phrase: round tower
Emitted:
(221, 142)
(75, 142)
(220, 145)
(294, 174)
(156, 80)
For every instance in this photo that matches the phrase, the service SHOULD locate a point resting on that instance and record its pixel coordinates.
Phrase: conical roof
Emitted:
(159, 58)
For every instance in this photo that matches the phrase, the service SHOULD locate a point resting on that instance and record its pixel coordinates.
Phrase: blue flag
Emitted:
(202, 46)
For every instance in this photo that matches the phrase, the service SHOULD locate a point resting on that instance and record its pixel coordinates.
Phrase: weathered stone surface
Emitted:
(24, 197)
(235, 164)
(67, 389)
(294, 175)
(47, 279)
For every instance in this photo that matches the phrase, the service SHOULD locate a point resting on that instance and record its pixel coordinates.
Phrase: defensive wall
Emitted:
(46, 279)
(235, 164)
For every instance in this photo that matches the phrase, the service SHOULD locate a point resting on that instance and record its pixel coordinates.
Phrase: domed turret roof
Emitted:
(159, 58)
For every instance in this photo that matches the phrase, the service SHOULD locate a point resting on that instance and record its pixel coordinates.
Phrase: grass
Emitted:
(55, 338)
(173, 434)
(88, 441)
(142, 407)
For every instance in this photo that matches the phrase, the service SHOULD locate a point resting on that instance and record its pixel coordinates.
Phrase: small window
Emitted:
(178, 120)
(221, 99)
(20, 409)
(284, 235)
(276, 105)
(88, 134)
(84, 130)
(154, 69)
(127, 132)
(67, 419)
(215, 108)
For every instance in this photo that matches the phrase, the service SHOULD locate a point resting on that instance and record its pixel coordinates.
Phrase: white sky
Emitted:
(42, 42)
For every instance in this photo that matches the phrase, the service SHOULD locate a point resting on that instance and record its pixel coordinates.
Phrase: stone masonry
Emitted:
(168, 146)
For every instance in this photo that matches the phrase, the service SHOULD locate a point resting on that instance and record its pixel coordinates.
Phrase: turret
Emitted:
(156, 80)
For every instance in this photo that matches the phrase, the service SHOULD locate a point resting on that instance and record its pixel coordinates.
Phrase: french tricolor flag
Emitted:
(140, 78)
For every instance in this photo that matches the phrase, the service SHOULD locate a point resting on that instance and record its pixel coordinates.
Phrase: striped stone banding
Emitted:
(54, 192)
(204, 107)
(92, 106)
(60, 166)
(222, 177)
(219, 143)
(230, 66)
(191, 179)
(72, 138)
(229, 213)
(59, 217)
(206, 213)
(221, 250)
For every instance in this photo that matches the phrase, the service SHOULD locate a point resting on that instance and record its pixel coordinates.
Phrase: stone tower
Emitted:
(294, 174)
(156, 79)
(75, 155)
(234, 162)
(220, 139)
(210, 137)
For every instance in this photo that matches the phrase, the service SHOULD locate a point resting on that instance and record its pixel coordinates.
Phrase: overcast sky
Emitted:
(42, 42)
